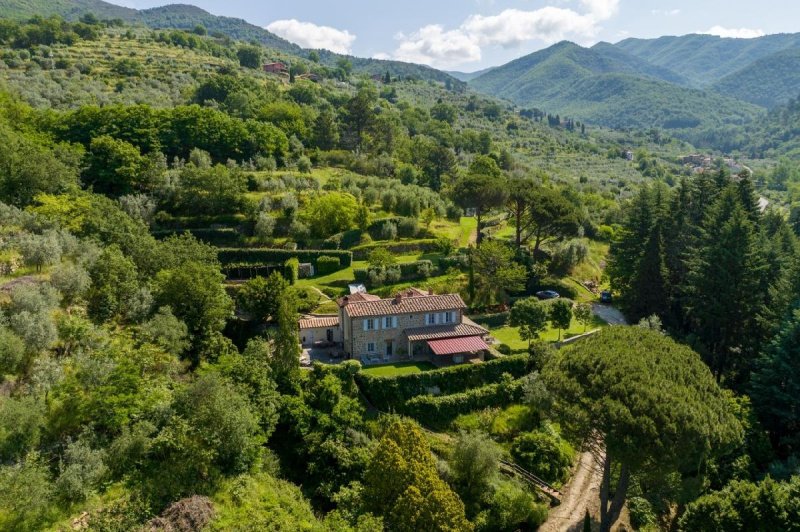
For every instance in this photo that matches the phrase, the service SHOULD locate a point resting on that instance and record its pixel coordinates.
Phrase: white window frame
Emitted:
(370, 347)
(389, 322)
(369, 324)
(449, 318)
(430, 319)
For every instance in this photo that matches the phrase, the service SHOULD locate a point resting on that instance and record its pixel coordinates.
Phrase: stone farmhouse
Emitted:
(413, 325)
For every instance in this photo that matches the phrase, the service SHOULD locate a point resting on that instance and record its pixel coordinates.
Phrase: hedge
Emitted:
(327, 265)
(409, 271)
(243, 272)
(390, 393)
(425, 245)
(266, 256)
(441, 410)
(226, 237)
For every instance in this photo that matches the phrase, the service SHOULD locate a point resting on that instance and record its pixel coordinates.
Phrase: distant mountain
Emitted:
(771, 81)
(608, 87)
(706, 59)
(639, 66)
(187, 17)
(469, 76)
(69, 9)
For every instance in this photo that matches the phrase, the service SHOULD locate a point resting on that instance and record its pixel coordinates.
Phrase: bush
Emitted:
(641, 512)
(543, 454)
(291, 270)
(390, 393)
(327, 265)
(304, 164)
(393, 273)
(408, 227)
(388, 231)
(568, 255)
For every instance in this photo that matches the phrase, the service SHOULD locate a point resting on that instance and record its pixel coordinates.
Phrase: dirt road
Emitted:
(581, 494)
(609, 315)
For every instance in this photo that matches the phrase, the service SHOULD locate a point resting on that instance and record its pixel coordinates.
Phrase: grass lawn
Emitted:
(338, 279)
(463, 232)
(401, 368)
(510, 335)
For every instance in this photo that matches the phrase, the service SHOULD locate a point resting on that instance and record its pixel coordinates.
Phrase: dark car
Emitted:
(548, 294)
(605, 296)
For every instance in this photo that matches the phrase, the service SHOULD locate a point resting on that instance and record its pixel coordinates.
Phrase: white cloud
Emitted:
(601, 9)
(434, 45)
(736, 33)
(310, 35)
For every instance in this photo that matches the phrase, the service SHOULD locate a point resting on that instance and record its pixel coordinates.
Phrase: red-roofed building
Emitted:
(410, 326)
(276, 68)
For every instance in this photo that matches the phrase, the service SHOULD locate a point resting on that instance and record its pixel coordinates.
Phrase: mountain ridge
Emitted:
(187, 17)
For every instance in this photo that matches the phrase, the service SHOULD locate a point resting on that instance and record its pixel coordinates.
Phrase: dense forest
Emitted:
(168, 211)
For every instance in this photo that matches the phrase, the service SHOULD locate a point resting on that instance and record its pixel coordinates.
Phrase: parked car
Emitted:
(605, 296)
(548, 294)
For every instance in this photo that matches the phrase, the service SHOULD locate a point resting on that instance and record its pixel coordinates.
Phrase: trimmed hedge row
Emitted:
(426, 245)
(443, 409)
(327, 264)
(390, 393)
(265, 256)
(227, 237)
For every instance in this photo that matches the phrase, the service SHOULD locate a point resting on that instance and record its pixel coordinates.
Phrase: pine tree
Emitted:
(723, 287)
(649, 283)
(775, 386)
(626, 251)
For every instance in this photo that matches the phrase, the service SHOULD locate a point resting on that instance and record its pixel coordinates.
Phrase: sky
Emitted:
(470, 35)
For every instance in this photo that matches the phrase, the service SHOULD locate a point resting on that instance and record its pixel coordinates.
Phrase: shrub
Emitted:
(291, 270)
(388, 231)
(304, 164)
(641, 512)
(544, 454)
(327, 265)
(408, 227)
(568, 255)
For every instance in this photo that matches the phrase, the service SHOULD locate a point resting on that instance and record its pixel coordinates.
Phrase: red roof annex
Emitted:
(455, 346)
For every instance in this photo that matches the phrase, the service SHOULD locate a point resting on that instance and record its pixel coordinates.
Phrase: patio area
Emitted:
(325, 355)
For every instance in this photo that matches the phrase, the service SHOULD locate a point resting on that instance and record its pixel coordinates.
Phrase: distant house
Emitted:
(413, 325)
(629, 155)
(310, 76)
(276, 68)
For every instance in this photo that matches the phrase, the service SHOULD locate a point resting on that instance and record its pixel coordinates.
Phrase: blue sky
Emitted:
(473, 34)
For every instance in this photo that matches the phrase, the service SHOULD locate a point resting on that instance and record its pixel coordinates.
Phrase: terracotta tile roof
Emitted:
(455, 346)
(445, 331)
(414, 292)
(356, 298)
(404, 305)
(317, 322)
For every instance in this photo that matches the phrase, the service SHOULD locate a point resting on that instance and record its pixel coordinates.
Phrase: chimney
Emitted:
(398, 298)
(430, 291)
